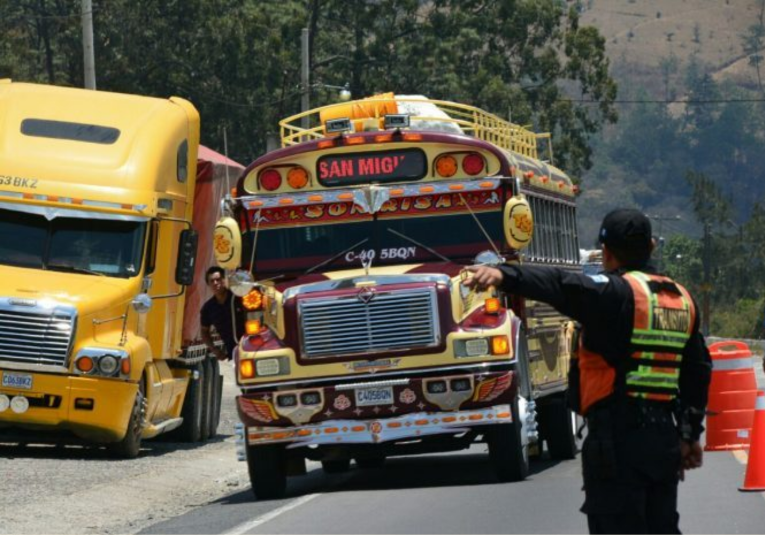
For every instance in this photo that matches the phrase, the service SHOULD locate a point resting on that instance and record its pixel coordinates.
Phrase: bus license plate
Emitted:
(17, 380)
(374, 396)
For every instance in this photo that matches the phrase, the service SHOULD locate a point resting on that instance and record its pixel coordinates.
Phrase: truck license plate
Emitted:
(374, 396)
(17, 380)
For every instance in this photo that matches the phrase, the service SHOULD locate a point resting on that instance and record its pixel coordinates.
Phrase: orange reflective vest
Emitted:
(662, 324)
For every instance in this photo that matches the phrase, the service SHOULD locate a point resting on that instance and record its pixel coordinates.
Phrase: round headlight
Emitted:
(108, 364)
(4, 403)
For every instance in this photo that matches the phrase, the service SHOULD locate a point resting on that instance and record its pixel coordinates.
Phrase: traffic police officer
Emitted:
(642, 375)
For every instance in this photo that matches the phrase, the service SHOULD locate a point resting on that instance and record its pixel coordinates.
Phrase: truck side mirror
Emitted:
(187, 255)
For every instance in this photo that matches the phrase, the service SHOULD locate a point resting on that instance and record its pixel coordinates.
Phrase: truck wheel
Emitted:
(217, 381)
(336, 466)
(371, 462)
(208, 396)
(192, 412)
(560, 430)
(508, 453)
(130, 445)
(267, 467)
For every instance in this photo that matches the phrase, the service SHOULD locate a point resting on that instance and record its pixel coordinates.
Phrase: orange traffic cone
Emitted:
(732, 394)
(755, 466)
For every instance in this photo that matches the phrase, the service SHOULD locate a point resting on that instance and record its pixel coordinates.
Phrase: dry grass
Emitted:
(641, 33)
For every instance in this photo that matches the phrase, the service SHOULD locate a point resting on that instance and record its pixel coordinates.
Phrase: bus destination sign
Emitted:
(371, 167)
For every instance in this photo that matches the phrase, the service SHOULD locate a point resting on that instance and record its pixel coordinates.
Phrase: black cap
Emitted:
(626, 228)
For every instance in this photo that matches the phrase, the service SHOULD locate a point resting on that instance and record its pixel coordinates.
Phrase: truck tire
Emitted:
(336, 466)
(267, 467)
(217, 381)
(208, 396)
(193, 408)
(560, 432)
(508, 454)
(130, 445)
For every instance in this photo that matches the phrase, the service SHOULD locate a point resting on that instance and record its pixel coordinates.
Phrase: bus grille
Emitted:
(30, 334)
(390, 321)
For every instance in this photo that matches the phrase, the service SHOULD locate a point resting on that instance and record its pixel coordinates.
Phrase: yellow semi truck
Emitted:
(97, 253)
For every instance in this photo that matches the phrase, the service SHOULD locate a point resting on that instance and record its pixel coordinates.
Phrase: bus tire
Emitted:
(267, 467)
(130, 445)
(193, 407)
(560, 430)
(508, 454)
(370, 462)
(336, 466)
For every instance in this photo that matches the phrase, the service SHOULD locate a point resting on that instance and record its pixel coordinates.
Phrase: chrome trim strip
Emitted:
(407, 426)
(353, 282)
(372, 384)
(473, 367)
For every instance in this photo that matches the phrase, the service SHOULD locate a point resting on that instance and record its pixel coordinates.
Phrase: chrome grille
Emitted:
(34, 334)
(346, 325)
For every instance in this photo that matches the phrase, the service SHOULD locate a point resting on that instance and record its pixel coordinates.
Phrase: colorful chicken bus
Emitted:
(362, 342)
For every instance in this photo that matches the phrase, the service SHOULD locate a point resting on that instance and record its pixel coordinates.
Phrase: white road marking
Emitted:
(254, 523)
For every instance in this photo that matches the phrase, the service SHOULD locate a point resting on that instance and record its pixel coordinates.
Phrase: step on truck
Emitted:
(97, 257)
(350, 244)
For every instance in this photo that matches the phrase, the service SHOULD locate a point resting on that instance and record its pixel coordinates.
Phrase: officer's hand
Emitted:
(691, 455)
(481, 277)
(220, 355)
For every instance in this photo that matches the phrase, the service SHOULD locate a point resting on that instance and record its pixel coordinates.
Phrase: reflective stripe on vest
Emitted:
(663, 321)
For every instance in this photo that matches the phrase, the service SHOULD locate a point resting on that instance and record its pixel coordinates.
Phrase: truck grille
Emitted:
(31, 334)
(389, 321)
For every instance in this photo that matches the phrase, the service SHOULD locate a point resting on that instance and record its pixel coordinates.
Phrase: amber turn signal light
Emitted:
(491, 305)
(252, 327)
(253, 300)
(500, 345)
(246, 369)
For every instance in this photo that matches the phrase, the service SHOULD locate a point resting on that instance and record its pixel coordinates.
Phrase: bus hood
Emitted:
(89, 294)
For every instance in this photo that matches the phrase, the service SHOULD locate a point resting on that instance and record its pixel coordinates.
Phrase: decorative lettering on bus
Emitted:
(446, 203)
(371, 167)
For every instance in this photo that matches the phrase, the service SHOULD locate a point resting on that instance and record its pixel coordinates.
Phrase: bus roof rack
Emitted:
(424, 114)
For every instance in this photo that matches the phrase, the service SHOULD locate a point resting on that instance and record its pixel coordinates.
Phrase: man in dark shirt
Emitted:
(644, 371)
(219, 311)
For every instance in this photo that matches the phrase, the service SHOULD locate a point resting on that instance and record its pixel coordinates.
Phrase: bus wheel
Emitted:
(130, 445)
(561, 430)
(508, 452)
(370, 462)
(336, 466)
(267, 467)
(193, 408)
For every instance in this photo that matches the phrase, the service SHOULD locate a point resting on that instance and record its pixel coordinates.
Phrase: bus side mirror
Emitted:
(187, 255)
(227, 243)
(518, 222)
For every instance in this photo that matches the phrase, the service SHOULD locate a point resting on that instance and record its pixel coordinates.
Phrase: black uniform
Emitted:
(216, 314)
(631, 456)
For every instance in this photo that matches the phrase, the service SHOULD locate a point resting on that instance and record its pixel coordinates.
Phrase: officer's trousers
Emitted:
(631, 474)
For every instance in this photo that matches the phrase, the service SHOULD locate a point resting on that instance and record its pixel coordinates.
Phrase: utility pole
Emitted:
(305, 76)
(87, 44)
(661, 219)
(706, 285)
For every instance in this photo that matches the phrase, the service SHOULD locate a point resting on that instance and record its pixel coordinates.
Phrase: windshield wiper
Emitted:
(338, 255)
(432, 251)
(74, 269)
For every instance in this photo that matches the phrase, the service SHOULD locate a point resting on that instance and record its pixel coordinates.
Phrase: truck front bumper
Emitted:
(96, 410)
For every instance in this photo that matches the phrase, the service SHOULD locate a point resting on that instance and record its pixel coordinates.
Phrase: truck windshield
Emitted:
(101, 247)
(385, 241)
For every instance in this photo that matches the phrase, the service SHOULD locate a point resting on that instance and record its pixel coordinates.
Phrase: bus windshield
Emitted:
(104, 247)
(377, 239)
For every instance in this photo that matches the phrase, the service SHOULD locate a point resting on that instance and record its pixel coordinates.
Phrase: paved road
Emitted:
(457, 493)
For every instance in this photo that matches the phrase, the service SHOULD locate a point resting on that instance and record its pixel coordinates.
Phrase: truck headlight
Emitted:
(104, 362)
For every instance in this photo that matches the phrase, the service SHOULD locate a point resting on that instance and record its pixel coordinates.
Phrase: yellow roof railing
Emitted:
(424, 114)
